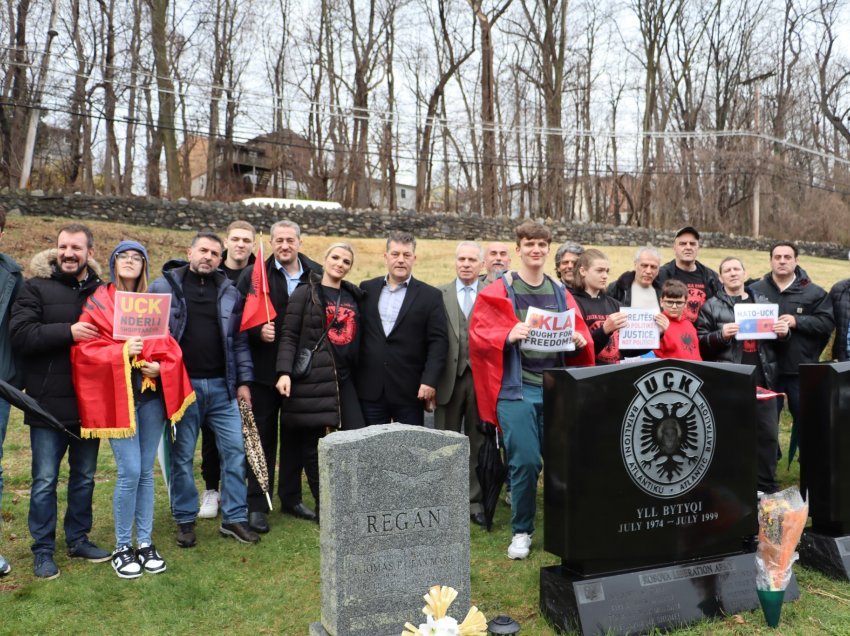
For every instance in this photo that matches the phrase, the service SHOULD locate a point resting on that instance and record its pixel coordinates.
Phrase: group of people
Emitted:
(386, 350)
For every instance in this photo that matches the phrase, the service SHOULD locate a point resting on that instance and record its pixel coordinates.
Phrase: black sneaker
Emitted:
(186, 534)
(45, 567)
(239, 531)
(125, 563)
(150, 559)
(85, 549)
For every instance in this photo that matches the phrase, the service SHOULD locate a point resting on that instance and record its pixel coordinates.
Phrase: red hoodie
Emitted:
(679, 341)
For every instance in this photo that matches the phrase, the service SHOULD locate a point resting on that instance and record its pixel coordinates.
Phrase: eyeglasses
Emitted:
(673, 303)
(125, 256)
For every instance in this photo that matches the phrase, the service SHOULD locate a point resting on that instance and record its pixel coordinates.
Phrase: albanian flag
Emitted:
(258, 308)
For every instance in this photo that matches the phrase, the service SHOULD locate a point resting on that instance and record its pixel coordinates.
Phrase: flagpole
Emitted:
(265, 281)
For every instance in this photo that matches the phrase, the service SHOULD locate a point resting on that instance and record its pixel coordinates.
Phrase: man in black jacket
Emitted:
(238, 254)
(286, 269)
(205, 318)
(839, 296)
(808, 311)
(701, 281)
(640, 287)
(717, 329)
(44, 325)
(404, 343)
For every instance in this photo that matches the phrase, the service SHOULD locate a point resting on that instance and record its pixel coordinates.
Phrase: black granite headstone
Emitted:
(649, 468)
(648, 464)
(824, 432)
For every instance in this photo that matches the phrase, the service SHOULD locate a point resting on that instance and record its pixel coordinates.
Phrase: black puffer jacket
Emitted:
(313, 401)
(46, 307)
(839, 295)
(812, 309)
(720, 310)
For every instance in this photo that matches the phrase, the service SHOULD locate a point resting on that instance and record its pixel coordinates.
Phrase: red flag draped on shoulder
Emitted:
(258, 308)
(102, 374)
(492, 320)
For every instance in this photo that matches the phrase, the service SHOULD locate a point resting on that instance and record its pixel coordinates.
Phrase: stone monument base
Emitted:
(663, 598)
(830, 555)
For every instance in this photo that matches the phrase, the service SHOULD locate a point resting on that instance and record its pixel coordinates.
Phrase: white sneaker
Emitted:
(209, 504)
(520, 546)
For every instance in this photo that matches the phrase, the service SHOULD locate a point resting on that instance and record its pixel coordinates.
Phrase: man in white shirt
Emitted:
(639, 287)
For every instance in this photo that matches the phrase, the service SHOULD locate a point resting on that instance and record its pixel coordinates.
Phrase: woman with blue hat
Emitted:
(126, 390)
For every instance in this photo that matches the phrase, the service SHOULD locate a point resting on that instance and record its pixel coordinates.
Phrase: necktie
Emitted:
(467, 300)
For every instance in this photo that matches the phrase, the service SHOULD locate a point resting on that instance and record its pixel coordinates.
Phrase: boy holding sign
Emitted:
(508, 378)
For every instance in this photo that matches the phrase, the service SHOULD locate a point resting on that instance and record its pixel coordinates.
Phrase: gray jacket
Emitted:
(11, 280)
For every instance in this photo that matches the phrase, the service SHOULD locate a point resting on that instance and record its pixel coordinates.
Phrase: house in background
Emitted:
(275, 164)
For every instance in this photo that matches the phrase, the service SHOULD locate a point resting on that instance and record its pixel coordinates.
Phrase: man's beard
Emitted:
(81, 266)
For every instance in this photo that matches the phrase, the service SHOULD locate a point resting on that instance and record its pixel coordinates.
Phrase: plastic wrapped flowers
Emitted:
(437, 602)
(782, 517)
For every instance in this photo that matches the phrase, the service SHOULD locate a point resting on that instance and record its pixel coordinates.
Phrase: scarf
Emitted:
(102, 374)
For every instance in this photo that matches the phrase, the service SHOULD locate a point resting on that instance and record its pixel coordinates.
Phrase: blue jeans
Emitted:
(522, 426)
(220, 412)
(134, 457)
(4, 420)
(48, 449)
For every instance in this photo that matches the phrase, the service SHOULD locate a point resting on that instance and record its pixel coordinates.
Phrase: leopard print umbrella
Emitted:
(254, 449)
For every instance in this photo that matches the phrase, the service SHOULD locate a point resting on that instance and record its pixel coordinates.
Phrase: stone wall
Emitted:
(192, 215)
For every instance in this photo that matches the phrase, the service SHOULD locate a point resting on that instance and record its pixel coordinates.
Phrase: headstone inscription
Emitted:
(824, 467)
(649, 495)
(395, 521)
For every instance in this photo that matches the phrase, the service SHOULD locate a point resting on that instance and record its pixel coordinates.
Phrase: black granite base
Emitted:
(830, 555)
(663, 598)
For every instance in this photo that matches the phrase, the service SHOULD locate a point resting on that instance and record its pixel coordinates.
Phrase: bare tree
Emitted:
(833, 70)
(546, 22)
(446, 39)
(167, 131)
(486, 22)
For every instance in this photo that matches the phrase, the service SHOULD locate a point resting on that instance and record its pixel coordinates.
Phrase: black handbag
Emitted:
(303, 363)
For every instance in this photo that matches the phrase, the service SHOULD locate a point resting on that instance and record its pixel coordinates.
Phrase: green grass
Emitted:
(274, 587)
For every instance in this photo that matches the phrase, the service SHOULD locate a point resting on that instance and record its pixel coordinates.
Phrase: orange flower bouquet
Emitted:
(782, 517)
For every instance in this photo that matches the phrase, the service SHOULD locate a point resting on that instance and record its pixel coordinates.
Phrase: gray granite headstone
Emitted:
(395, 521)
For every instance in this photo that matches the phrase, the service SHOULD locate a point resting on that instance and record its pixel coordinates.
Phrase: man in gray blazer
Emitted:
(455, 391)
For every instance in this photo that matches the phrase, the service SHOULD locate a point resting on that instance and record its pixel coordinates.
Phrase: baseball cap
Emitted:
(687, 230)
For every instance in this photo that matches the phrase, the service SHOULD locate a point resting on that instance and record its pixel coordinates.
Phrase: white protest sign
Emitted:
(640, 331)
(550, 330)
(755, 321)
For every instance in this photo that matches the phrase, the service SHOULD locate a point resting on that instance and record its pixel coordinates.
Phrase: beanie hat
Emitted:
(126, 246)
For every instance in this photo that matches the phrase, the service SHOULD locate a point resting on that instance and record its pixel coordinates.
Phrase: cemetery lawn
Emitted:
(274, 587)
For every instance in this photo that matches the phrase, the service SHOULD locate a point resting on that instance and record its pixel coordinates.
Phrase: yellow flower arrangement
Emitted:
(438, 599)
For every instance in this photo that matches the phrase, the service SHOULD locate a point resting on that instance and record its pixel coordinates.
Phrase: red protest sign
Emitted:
(144, 315)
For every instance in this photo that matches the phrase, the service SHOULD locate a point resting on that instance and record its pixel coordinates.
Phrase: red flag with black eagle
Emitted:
(258, 308)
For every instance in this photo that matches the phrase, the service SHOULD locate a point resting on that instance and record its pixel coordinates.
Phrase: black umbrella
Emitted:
(491, 471)
(18, 398)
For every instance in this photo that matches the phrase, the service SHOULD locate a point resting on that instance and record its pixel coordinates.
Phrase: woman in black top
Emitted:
(324, 311)
(601, 312)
